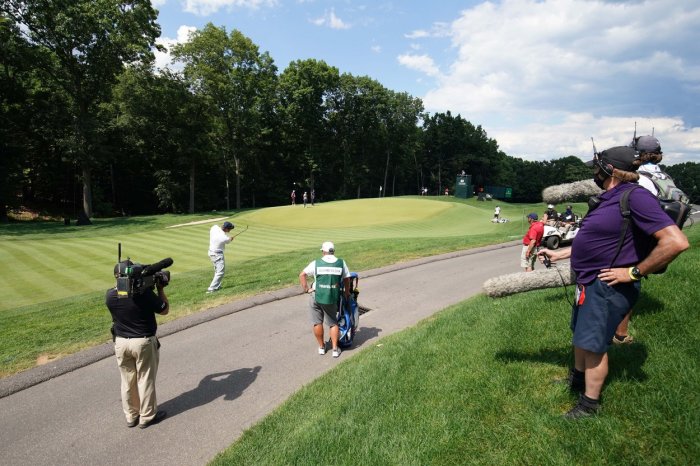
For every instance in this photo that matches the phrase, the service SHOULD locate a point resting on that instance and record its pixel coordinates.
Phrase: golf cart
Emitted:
(561, 233)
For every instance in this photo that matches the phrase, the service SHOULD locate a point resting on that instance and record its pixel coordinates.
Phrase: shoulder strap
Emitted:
(626, 217)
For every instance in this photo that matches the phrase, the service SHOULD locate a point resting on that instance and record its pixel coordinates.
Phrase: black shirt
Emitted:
(136, 316)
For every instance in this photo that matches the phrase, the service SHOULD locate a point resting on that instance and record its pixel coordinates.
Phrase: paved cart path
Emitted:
(221, 371)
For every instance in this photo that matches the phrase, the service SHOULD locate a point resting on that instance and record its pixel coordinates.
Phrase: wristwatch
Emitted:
(635, 274)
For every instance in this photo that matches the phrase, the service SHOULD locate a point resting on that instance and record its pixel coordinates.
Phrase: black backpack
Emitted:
(677, 209)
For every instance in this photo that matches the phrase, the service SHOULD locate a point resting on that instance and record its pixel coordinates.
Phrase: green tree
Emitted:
(239, 82)
(687, 177)
(168, 127)
(89, 41)
(306, 88)
(354, 118)
(399, 122)
(33, 125)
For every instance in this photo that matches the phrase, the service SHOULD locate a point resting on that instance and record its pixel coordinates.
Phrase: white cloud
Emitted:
(330, 19)
(438, 30)
(543, 76)
(376, 49)
(422, 63)
(163, 59)
(418, 34)
(158, 3)
(208, 7)
(572, 136)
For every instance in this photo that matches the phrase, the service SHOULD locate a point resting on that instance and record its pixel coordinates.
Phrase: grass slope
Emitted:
(54, 276)
(474, 384)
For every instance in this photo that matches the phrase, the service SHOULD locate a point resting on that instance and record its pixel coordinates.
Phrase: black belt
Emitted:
(140, 336)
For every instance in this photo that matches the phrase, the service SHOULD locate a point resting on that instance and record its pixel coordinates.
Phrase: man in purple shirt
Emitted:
(607, 276)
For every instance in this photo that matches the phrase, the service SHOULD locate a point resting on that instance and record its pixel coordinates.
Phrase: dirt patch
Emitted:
(46, 358)
(198, 222)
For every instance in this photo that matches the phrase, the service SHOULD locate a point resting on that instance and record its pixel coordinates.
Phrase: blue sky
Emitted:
(540, 76)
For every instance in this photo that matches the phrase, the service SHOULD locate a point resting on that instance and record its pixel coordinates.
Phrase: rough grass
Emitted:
(475, 384)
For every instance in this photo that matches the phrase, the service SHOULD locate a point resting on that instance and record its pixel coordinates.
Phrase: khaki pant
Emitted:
(137, 359)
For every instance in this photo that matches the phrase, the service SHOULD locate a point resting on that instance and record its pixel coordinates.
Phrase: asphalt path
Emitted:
(221, 371)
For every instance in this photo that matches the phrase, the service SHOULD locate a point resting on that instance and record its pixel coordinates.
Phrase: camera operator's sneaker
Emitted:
(586, 407)
(336, 352)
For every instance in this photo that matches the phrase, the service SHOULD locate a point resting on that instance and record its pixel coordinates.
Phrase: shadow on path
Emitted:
(365, 333)
(229, 384)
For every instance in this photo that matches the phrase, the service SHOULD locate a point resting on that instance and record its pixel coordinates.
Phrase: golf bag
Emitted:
(348, 313)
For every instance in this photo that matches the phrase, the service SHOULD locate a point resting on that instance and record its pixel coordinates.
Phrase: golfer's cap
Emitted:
(620, 157)
(327, 247)
(532, 215)
(550, 206)
(228, 225)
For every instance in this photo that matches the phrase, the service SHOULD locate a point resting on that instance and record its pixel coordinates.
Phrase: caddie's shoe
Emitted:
(575, 381)
(336, 352)
(586, 407)
(322, 350)
(622, 340)
(160, 415)
(133, 422)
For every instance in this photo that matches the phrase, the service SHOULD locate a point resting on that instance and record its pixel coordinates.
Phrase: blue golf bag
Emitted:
(348, 313)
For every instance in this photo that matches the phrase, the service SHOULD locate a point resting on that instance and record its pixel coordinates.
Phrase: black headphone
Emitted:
(603, 166)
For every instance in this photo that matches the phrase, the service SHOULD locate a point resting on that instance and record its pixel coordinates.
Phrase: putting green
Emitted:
(361, 213)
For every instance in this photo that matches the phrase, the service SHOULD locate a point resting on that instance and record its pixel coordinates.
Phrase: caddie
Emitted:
(329, 271)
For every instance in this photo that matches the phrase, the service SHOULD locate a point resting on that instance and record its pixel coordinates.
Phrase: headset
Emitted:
(602, 165)
(598, 161)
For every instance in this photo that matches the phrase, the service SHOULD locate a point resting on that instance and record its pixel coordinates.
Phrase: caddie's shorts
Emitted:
(598, 310)
(318, 312)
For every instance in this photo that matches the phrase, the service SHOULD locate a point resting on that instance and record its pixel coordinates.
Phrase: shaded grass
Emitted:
(475, 384)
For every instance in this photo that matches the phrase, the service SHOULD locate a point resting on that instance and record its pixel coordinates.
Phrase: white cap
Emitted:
(327, 247)
(550, 206)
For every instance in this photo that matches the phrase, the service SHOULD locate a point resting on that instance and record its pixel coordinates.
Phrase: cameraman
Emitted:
(136, 347)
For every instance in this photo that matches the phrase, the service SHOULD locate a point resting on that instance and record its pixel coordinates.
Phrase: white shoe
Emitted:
(322, 351)
(336, 352)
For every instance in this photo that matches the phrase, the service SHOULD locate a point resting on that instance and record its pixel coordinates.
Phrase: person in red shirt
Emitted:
(531, 241)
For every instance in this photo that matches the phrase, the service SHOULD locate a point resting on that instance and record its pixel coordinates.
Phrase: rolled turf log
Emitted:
(513, 283)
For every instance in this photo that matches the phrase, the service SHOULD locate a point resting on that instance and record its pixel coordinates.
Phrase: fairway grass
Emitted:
(54, 276)
(60, 262)
(477, 384)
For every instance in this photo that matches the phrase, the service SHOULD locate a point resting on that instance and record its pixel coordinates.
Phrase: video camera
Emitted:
(135, 279)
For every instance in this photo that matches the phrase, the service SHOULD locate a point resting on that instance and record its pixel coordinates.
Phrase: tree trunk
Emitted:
(386, 171)
(192, 173)
(237, 161)
(87, 197)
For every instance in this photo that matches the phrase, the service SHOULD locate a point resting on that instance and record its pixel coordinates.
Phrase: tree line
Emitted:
(91, 128)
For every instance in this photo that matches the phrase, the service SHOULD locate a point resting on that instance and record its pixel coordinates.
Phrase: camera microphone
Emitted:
(153, 268)
(572, 192)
